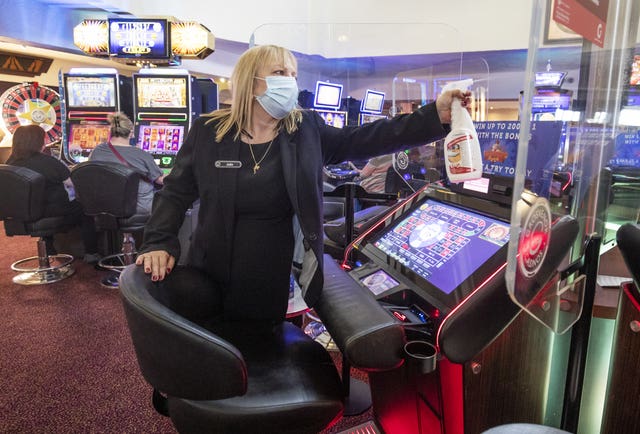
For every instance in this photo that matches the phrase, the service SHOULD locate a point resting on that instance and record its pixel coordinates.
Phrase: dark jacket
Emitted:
(304, 153)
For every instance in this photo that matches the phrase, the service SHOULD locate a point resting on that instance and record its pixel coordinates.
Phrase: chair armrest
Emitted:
(177, 356)
(366, 334)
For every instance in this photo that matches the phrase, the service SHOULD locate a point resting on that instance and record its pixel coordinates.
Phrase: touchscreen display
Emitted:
(91, 91)
(379, 282)
(87, 136)
(443, 244)
(161, 92)
(161, 139)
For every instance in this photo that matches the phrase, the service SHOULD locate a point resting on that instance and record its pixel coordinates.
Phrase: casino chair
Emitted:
(108, 192)
(332, 207)
(339, 231)
(628, 239)
(21, 208)
(226, 377)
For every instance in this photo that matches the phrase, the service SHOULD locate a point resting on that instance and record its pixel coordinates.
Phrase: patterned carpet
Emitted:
(66, 359)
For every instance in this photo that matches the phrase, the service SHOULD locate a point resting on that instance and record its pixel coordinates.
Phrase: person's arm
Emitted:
(386, 136)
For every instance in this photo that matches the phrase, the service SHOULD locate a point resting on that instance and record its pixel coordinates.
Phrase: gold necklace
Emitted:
(256, 164)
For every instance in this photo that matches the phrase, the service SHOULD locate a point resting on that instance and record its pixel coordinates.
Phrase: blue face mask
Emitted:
(280, 97)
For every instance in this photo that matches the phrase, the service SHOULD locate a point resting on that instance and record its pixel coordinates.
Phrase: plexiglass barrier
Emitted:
(404, 62)
(586, 166)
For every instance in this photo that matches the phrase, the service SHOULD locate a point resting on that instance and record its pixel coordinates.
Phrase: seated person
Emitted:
(27, 151)
(120, 150)
(374, 174)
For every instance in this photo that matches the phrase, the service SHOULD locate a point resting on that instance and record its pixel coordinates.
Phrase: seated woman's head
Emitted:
(28, 140)
(120, 125)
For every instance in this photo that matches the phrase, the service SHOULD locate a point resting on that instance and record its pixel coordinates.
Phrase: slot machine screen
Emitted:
(333, 118)
(160, 139)
(161, 92)
(634, 74)
(633, 89)
(445, 249)
(373, 102)
(549, 78)
(545, 104)
(90, 91)
(139, 38)
(86, 136)
(328, 95)
(365, 118)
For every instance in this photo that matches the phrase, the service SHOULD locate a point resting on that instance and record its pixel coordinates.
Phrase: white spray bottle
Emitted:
(463, 157)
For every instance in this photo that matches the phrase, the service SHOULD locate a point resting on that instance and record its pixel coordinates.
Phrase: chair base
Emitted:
(39, 271)
(359, 399)
(116, 262)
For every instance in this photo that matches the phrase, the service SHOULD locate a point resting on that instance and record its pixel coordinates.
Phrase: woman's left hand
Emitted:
(445, 99)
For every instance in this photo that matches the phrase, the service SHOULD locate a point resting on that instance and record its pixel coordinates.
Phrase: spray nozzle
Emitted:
(460, 85)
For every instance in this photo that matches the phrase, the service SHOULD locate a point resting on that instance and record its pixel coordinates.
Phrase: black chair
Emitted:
(21, 208)
(628, 239)
(235, 377)
(340, 231)
(109, 193)
(332, 207)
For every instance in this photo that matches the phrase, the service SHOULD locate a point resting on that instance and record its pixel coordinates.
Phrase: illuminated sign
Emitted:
(139, 38)
(92, 37)
(144, 39)
(191, 40)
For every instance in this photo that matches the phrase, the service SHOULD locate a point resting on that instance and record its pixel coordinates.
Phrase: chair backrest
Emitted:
(333, 207)
(628, 238)
(177, 356)
(106, 188)
(21, 193)
(393, 182)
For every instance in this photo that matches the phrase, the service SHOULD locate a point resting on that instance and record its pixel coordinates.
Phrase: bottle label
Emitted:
(458, 155)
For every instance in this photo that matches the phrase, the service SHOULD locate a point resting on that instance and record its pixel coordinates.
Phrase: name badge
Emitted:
(228, 164)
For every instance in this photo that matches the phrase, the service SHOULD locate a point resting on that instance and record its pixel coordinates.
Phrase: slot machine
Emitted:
(327, 101)
(371, 107)
(163, 111)
(436, 266)
(550, 100)
(90, 96)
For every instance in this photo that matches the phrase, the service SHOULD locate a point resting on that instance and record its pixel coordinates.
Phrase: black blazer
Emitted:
(304, 153)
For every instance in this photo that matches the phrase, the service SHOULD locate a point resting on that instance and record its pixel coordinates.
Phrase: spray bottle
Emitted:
(463, 157)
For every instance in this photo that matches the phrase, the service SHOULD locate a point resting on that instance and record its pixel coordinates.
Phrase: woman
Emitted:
(254, 167)
(27, 151)
(119, 150)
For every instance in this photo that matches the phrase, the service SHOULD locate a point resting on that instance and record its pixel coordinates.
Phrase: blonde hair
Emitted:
(240, 115)
(121, 125)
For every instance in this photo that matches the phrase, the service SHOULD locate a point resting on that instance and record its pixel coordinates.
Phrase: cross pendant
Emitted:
(256, 168)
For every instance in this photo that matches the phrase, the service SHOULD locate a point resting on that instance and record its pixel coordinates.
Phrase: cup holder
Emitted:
(421, 355)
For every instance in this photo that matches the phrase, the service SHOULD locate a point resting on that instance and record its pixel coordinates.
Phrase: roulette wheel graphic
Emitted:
(30, 103)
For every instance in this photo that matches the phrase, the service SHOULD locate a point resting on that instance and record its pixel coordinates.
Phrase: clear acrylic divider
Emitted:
(578, 165)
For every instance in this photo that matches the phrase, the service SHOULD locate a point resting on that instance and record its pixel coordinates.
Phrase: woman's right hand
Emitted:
(158, 263)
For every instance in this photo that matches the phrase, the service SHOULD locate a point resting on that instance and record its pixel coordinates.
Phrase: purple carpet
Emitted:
(66, 360)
